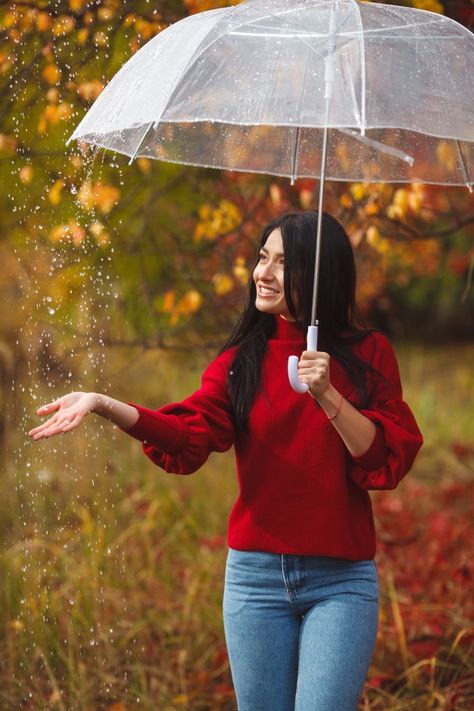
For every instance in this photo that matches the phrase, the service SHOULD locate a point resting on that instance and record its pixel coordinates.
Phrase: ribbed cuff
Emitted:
(155, 428)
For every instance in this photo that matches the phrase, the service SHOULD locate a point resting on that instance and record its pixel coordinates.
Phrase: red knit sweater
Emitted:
(300, 489)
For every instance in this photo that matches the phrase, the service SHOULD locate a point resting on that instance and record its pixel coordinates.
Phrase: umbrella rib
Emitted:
(298, 117)
(465, 169)
(148, 126)
(349, 35)
(327, 36)
(382, 147)
(347, 80)
(363, 73)
(295, 156)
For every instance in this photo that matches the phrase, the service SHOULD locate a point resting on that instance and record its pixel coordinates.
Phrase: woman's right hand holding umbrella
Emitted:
(69, 411)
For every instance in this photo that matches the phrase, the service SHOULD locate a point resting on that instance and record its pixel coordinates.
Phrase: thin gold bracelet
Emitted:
(338, 409)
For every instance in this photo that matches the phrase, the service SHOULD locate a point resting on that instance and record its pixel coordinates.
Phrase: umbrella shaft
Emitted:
(314, 320)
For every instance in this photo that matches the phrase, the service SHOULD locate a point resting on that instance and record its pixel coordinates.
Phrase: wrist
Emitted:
(331, 402)
(97, 403)
(328, 399)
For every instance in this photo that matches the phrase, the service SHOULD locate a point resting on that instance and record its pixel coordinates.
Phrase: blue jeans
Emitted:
(300, 630)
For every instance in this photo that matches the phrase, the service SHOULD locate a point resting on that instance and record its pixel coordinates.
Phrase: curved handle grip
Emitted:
(312, 345)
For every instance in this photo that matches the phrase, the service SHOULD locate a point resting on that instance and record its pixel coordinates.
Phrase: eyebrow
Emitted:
(279, 254)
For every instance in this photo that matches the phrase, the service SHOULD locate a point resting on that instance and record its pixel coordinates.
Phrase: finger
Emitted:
(314, 354)
(47, 429)
(60, 426)
(44, 425)
(49, 407)
(308, 365)
(308, 355)
(71, 424)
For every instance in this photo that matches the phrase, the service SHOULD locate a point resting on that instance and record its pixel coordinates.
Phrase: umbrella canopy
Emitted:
(328, 89)
(245, 88)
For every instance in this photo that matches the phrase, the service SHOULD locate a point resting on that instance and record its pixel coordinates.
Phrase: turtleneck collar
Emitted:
(288, 330)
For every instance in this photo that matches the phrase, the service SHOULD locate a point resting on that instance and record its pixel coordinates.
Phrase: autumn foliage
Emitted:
(111, 577)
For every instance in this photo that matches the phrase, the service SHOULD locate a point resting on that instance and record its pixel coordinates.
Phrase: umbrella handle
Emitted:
(312, 345)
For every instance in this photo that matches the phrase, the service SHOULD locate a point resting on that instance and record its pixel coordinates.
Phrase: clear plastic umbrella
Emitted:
(329, 89)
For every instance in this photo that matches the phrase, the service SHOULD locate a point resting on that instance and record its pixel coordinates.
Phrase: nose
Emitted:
(265, 271)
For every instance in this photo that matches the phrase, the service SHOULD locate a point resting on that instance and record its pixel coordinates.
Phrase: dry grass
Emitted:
(112, 571)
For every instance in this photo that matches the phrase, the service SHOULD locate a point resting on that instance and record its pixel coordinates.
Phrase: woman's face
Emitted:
(268, 277)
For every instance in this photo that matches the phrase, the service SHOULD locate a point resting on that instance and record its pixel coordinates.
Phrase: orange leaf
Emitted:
(51, 73)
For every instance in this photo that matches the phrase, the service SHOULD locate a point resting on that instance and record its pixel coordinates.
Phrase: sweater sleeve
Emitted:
(180, 436)
(398, 437)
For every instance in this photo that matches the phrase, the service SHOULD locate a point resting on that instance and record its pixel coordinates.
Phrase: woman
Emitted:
(301, 590)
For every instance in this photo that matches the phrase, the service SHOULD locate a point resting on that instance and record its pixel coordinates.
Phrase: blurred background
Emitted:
(126, 280)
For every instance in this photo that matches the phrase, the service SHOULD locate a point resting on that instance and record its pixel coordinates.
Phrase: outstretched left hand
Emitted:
(313, 369)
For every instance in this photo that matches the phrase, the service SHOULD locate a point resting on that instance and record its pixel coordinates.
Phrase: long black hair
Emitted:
(337, 313)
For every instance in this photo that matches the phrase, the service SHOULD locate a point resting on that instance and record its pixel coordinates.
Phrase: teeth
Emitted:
(265, 291)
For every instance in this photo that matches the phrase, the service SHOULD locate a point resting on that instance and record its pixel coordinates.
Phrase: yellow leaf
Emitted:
(430, 5)
(58, 233)
(98, 230)
(190, 302)
(26, 174)
(372, 208)
(415, 202)
(199, 232)
(83, 35)
(100, 39)
(16, 625)
(446, 154)
(358, 191)
(205, 211)
(401, 198)
(144, 28)
(76, 233)
(181, 699)
(106, 196)
(52, 95)
(7, 143)
(394, 212)
(105, 13)
(144, 164)
(306, 198)
(63, 25)
(85, 197)
(43, 21)
(342, 153)
(275, 194)
(222, 284)
(51, 73)
(55, 192)
(76, 161)
(77, 5)
(168, 301)
(345, 200)
(90, 90)
(240, 271)
(373, 236)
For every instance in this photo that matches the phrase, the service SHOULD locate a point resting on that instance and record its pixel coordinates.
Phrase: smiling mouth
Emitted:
(266, 291)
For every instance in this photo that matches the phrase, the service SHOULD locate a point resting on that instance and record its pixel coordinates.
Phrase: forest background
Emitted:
(125, 279)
